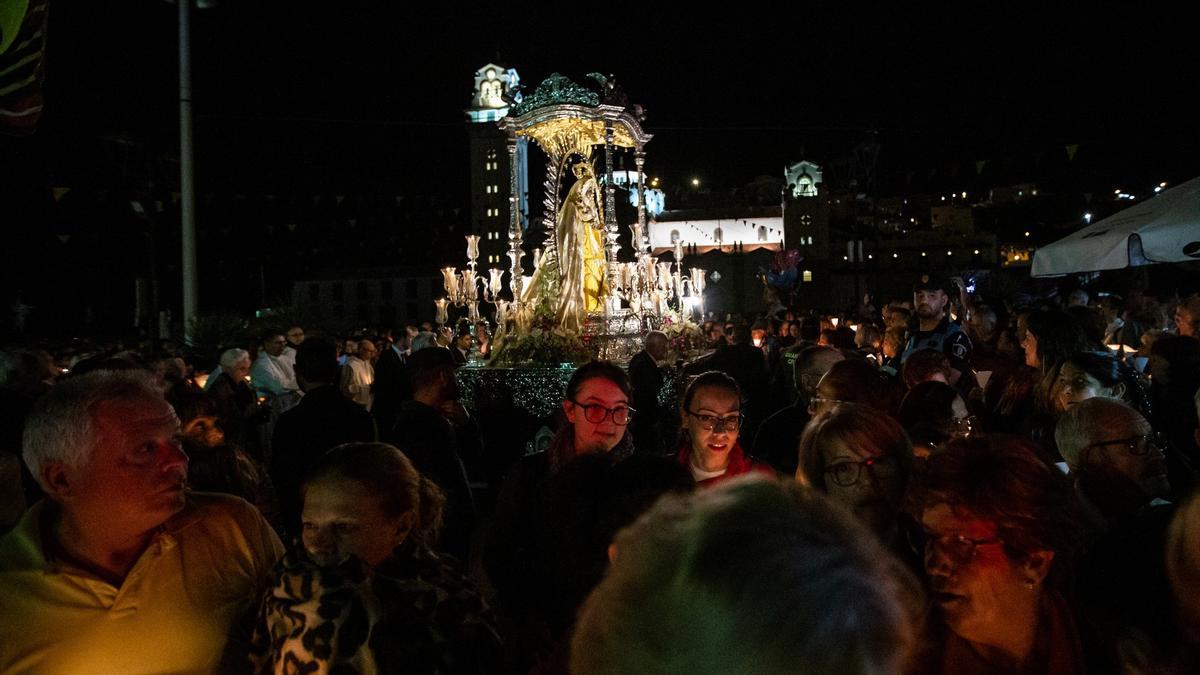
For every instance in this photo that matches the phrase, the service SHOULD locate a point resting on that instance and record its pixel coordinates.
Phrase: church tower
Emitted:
(495, 88)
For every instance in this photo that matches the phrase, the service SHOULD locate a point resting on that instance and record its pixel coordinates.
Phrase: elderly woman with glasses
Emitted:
(998, 524)
(711, 415)
(862, 459)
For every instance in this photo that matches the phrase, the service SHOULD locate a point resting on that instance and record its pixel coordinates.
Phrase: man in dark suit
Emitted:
(392, 385)
(437, 434)
(460, 347)
(321, 420)
(647, 380)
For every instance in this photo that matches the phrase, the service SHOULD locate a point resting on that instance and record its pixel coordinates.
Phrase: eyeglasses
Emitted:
(596, 413)
(848, 473)
(956, 548)
(1138, 446)
(817, 400)
(718, 424)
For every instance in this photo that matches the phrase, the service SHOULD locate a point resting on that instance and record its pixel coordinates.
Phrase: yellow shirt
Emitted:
(171, 615)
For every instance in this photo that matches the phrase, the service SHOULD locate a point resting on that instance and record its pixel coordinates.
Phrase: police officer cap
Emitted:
(932, 282)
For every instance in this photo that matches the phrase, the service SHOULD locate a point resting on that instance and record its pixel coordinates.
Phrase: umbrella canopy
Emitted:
(1164, 228)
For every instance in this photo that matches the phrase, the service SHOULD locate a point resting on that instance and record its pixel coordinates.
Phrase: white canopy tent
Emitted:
(1164, 228)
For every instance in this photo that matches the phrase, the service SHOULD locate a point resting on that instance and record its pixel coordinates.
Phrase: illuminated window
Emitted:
(807, 275)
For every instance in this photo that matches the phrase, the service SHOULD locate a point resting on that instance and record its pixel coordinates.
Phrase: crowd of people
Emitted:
(937, 486)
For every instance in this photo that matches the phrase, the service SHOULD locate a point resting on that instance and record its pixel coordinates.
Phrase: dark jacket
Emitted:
(778, 440)
(647, 381)
(392, 388)
(436, 448)
(238, 413)
(321, 420)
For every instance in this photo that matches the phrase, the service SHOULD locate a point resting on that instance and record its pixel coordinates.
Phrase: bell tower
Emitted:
(496, 88)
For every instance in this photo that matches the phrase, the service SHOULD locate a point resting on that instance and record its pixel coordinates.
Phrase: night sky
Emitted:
(370, 95)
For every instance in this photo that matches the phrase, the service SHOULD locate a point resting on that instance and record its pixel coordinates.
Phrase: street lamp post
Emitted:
(187, 190)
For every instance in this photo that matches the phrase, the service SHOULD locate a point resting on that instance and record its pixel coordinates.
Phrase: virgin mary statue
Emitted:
(579, 240)
(575, 285)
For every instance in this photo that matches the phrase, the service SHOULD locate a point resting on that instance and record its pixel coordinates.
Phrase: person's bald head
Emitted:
(811, 365)
(1095, 420)
(657, 344)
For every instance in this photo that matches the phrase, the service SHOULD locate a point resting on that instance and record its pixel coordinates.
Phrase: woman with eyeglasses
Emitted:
(999, 527)
(516, 547)
(711, 416)
(862, 459)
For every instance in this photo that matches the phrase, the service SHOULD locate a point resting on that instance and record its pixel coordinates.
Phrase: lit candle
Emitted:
(664, 276)
(537, 258)
(469, 289)
(472, 247)
(628, 274)
(450, 281)
(495, 280)
(441, 310)
(501, 312)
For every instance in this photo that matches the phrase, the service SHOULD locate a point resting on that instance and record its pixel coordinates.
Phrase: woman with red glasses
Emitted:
(711, 420)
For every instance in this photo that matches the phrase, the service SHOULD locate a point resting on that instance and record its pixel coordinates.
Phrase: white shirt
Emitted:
(699, 474)
(357, 378)
(273, 375)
